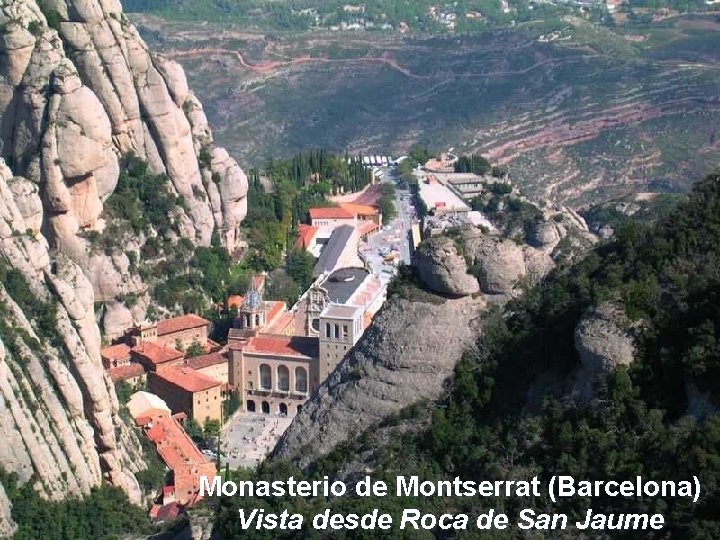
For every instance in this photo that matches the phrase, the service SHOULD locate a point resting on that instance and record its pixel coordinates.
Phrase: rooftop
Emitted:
(173, 444)
(341, 284)
(340, 312)
(330, 213)
(283, 346)
(205, 360)
(187, 378)
(128, 371)
(157, 354)
(306, 233)
(116, 352)
(436, 195)
(178, 324)
(280, 324)
(142, 403)
(337, 244)
(360, 209)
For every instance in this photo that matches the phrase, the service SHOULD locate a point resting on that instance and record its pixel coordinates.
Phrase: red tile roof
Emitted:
(206, 360)
(187, 378)
(275, 307)
(330, 213)
(178, 324)
(235, 301)
(157, 354)
(283, 346)
(305, 236)
(360, 209)
(279, 325)
(128, 371)
(367, 227)
(181, 455)
(120, 351)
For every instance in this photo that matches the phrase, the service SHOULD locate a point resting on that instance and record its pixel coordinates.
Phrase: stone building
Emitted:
(187, 391)
(276, 374)
(340, 328)
(175, 332)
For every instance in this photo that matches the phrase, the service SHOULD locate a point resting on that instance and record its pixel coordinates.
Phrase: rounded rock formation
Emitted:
(439, 266)
(603, 340)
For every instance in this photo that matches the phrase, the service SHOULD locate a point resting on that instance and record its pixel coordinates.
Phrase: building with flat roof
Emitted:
(276, 373)
(439, 199)
(186, 390)
(340, 328)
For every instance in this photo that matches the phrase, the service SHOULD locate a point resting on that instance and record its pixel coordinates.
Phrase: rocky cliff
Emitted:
(79, 93)
(405, 356)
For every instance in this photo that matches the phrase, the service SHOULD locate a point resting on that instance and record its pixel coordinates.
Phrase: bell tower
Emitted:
(252, 311)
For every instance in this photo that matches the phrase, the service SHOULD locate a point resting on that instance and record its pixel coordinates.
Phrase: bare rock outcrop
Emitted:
(439, 266)
(7, 525)
(405, 356)
(500, 263)
(76, 97)
(58, 410)
(603, 339)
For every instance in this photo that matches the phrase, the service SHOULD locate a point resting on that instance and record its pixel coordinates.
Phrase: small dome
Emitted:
(253, 301)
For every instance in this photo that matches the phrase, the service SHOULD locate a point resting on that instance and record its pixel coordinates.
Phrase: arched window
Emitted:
(301, 382)
(265, 407)
(250, 405)
(265, 377)
(283, 378)
(257, 319)
(283, 409)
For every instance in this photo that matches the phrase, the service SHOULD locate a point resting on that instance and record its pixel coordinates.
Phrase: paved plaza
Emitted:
(248, 438)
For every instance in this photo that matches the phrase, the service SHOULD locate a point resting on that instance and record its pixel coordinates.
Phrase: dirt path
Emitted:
(269, 66)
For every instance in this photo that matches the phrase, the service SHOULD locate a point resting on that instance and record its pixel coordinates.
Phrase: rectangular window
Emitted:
(327, 330)
(337, 331)
(345, 331)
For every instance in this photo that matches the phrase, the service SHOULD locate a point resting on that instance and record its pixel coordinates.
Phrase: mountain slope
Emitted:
(609, 368)
(84, 105)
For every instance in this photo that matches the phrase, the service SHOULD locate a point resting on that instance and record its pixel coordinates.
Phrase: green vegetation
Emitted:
(105, 513)
(492, 426)
(468, 15)
(141, 199)
(473, 163)
(43, 315)
(386, 203)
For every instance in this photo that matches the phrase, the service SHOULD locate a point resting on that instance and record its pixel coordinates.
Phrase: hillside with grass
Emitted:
(578, 111)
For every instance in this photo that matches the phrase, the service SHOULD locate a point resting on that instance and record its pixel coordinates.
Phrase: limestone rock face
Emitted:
(73, 101)
(27, 199)
(439, 266)
(405, 356)
(602, 339)
(501, 264)
(7, 526)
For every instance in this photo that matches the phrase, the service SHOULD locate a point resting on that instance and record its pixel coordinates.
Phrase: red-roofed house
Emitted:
(213, 365)
(115, 355)
(275, 374)
(131, 373)
(153, 356)
(363, 212)
(181, 456)
(327, 219)
(306, 238)
(186, 390)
